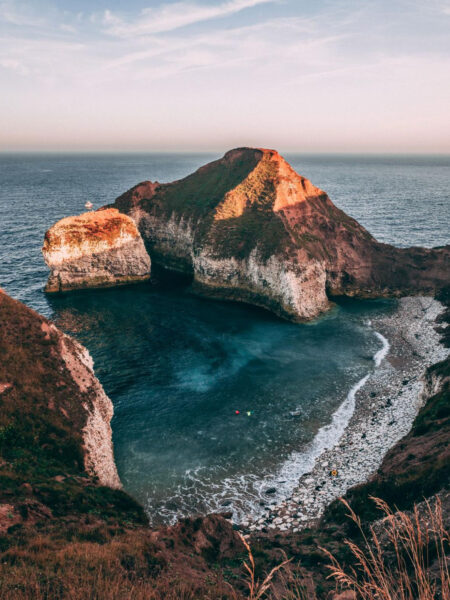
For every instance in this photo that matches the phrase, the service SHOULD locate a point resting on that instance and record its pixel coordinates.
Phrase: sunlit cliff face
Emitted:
(95, 249)
(92, 232)
(272, 184)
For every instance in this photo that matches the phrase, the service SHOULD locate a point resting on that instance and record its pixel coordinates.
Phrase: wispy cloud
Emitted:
(13, 65)
(43, 61)
(344, 68)
(20, 16)
(173, 16)
(248, 42)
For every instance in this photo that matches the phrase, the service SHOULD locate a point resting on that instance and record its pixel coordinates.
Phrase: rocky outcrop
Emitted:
(50, 398)
(248, 227)
(95, 249)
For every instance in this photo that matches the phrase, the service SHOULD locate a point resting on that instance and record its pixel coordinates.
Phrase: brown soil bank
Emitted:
(248, 227)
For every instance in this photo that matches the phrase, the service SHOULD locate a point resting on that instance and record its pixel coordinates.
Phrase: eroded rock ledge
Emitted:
(95, 249)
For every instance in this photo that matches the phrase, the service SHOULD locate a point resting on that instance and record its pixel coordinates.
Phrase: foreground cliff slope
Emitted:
(63, 535)
(66, 531)
(50, 398)
(248, 227)
(95, 249)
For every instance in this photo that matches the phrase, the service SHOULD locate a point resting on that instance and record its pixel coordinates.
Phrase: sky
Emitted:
(195, 75)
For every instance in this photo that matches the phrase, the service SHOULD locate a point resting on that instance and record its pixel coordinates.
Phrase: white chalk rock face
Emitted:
(56, 386)
(95, 249)
(97, 434)
(247, 228)
(296, 293)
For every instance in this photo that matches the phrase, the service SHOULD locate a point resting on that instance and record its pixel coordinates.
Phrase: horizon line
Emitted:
(219, 151)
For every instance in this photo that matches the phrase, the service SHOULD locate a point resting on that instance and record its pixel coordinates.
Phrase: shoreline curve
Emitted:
(385, 408)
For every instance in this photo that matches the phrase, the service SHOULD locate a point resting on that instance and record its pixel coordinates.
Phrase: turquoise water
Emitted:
(176, 367)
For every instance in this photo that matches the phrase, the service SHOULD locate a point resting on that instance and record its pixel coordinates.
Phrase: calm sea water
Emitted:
(176, 367)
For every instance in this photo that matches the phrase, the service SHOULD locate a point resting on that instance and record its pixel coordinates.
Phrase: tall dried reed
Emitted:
(259, 590)
(402, 558)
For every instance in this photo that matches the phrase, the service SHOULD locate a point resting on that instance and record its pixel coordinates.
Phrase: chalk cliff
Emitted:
(248, 227)
(95, 249)
(48, 392)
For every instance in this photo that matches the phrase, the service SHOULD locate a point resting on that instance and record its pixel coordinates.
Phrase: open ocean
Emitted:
(177, 367)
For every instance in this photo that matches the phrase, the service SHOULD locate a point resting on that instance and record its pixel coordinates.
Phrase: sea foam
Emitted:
(300, 463)
(381, 354)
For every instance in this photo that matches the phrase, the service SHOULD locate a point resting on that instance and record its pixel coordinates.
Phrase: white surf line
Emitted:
(362, 454)
(300, 463)
(381, 354)
(328, 436)
(341, 417)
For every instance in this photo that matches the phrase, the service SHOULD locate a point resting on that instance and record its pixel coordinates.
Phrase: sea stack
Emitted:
(248, 227)
(245, 227)
(95, 249)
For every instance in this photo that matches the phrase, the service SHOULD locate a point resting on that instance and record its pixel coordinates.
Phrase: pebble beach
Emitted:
(383, 406)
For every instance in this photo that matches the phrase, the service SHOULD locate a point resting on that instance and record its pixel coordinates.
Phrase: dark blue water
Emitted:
(178, 367)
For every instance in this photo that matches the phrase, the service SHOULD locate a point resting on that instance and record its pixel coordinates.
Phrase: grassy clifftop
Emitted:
(251, 200)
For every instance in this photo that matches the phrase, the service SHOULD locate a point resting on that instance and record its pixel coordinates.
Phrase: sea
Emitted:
(217, 406)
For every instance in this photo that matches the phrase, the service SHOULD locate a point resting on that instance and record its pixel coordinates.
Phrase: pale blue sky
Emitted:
(322, 76)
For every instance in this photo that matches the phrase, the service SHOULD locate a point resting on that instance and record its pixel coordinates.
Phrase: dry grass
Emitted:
(129, 568)
(258, 590)
(294, 584)
(404, 559)
(98, 585)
